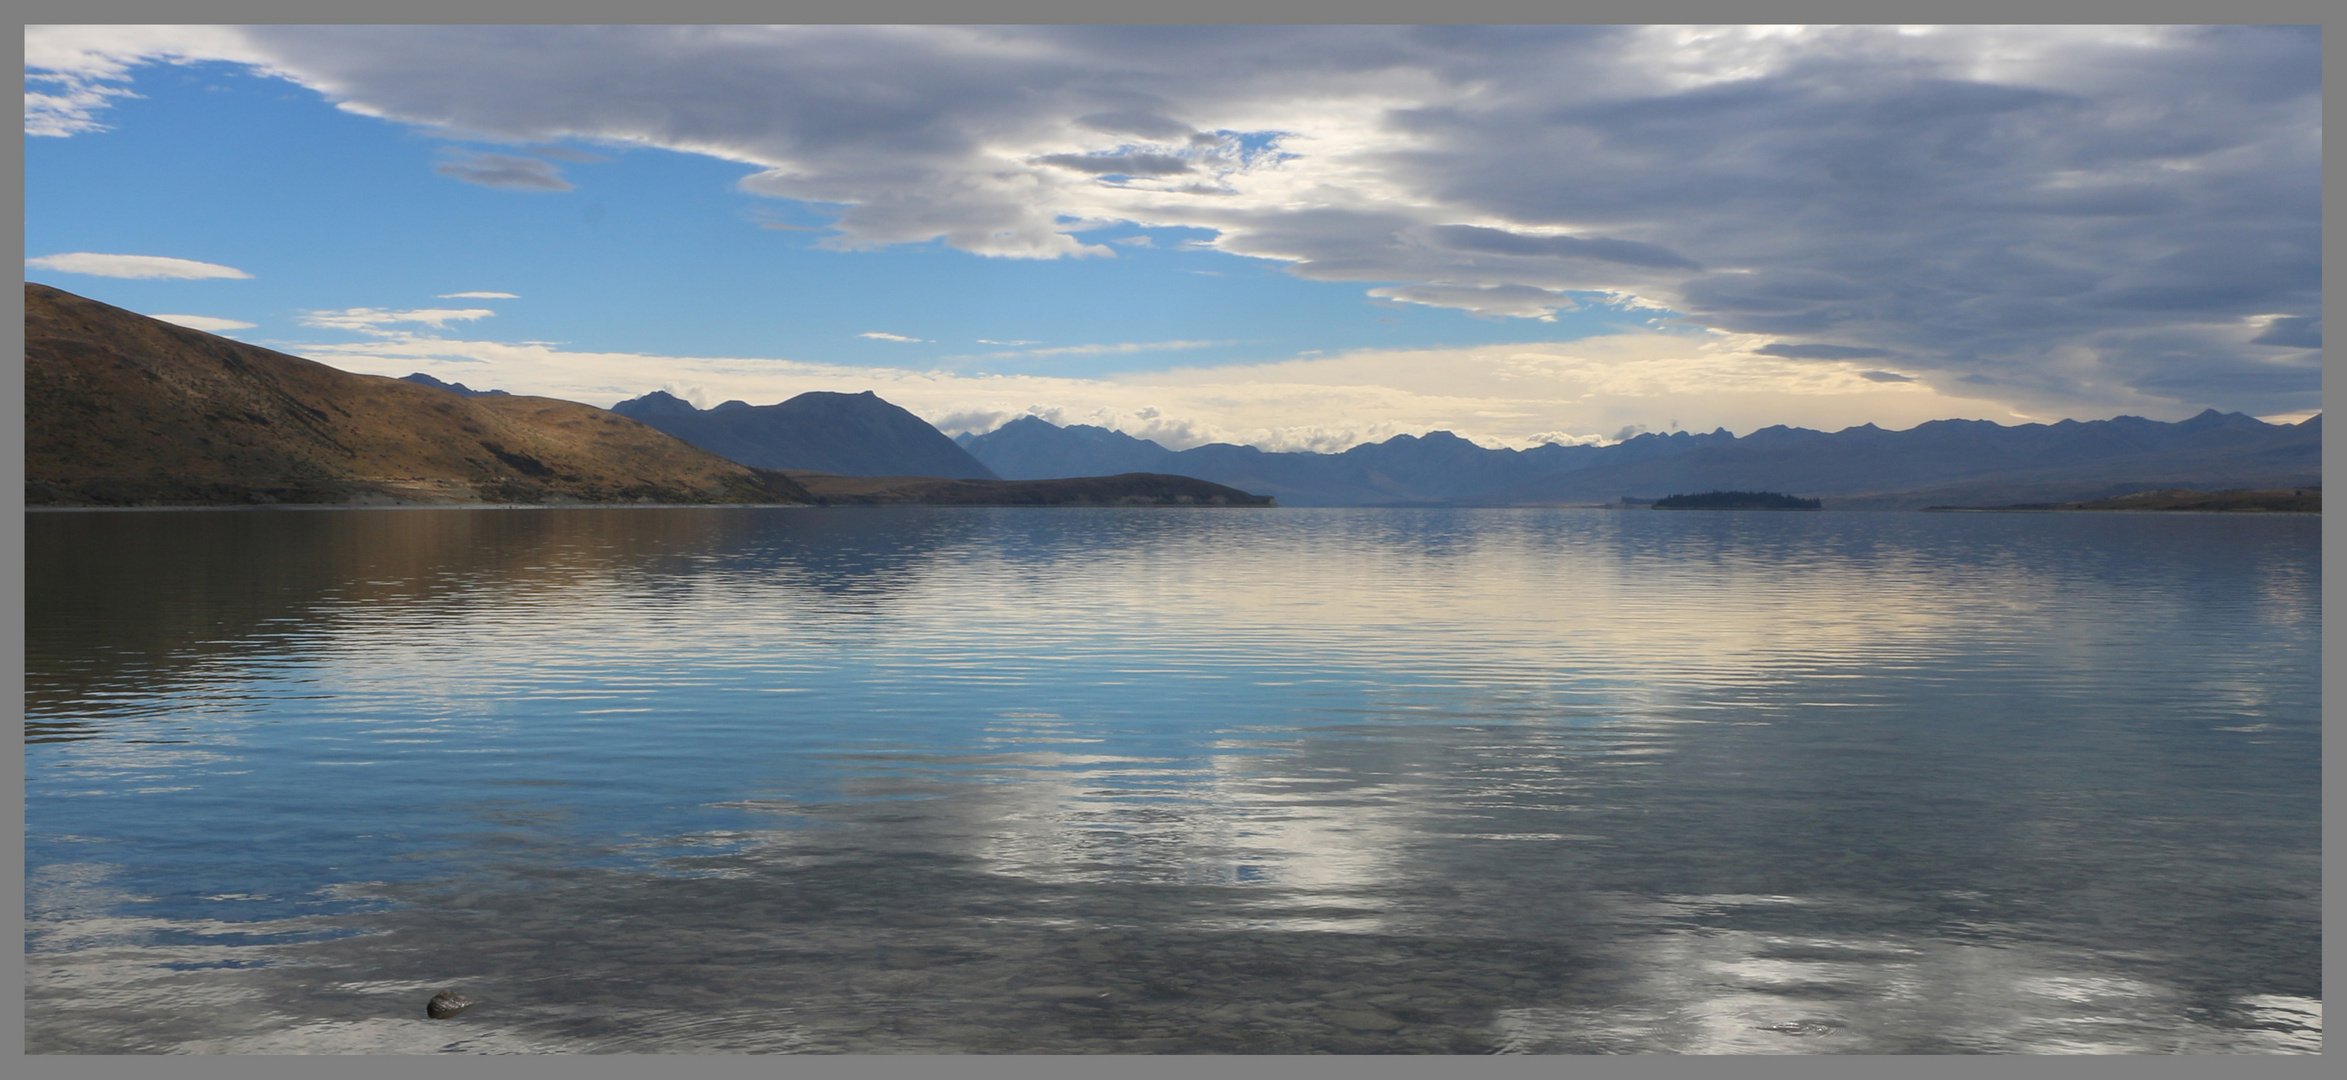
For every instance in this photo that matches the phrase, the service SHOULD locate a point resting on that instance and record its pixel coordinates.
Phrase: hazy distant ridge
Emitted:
(841, 434)
(421, 379)
(1943, 460)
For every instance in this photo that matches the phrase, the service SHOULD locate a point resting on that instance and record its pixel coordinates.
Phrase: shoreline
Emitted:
(2114, 510)
(302, 507)
(323, 507)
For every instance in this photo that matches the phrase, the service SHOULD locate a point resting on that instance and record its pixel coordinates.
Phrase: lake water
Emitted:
(1172, 781)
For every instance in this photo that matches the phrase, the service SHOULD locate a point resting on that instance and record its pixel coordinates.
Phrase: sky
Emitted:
(1300, 238)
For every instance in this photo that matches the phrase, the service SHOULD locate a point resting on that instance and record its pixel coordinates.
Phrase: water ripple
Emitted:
(1332, 781)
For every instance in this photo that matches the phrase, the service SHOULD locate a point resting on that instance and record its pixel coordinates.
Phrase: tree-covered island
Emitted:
(1737, 500)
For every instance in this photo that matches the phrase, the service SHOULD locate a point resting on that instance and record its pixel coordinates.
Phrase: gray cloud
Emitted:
(1783, 290)
(1884, 376)
(505, 171)
(2082, 217)
(1119, 164)
(1503, 242)
(1147, 125)
(2300, 332)
(1822, 352)
(564, 153)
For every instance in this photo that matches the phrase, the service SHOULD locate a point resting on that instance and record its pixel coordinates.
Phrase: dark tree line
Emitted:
(1737, 500)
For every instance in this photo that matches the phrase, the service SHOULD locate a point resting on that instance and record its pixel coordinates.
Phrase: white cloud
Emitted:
(1118, 349)
(2063, 211)
(990, 341)
(206, 323)
(478, 296)
(78, 67)
(133, 266)
(880, 335)
(72, 110)
(373, 320)
(1125, 347)
(1563, 438)
(109, 52)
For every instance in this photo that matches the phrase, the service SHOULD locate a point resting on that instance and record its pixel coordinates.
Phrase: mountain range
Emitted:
(122, 409)
(125, 410)
(1938, 463)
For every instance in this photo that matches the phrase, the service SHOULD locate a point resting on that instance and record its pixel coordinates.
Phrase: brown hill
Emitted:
(124, 410)
(1129, 489)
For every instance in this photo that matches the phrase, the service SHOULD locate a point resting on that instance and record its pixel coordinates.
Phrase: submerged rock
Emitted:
(1803, 1028)
(445, 1004)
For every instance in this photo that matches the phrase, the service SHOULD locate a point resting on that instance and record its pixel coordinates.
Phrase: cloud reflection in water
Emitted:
(972, 781)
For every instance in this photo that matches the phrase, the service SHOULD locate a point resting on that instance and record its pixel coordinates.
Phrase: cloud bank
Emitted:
(378, 321)
(1592, 390)
(1121, 348)
(2045, 213)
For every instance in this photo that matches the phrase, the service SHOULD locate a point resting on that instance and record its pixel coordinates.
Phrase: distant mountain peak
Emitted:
(656, 403)
(421, 379)
(2210, 418)
(819, 431)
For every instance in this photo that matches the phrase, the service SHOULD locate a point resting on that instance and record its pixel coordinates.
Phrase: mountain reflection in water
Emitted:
(1076, 781)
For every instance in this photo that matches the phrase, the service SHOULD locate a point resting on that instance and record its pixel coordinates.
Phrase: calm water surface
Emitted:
(1074, 781)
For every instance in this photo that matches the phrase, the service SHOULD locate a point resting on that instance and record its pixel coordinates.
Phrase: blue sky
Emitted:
(1298, 238)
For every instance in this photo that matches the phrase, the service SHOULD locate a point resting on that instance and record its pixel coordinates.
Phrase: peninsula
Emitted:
(1129, 489)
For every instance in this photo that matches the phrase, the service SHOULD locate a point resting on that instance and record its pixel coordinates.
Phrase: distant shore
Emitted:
(2305, 500)
(303, 507)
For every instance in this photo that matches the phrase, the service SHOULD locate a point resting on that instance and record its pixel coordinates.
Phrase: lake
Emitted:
(950, 780)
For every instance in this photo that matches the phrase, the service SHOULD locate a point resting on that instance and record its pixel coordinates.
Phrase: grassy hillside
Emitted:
(124, 410)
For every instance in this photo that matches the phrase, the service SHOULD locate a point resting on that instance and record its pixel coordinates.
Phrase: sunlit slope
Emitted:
(122, 409)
